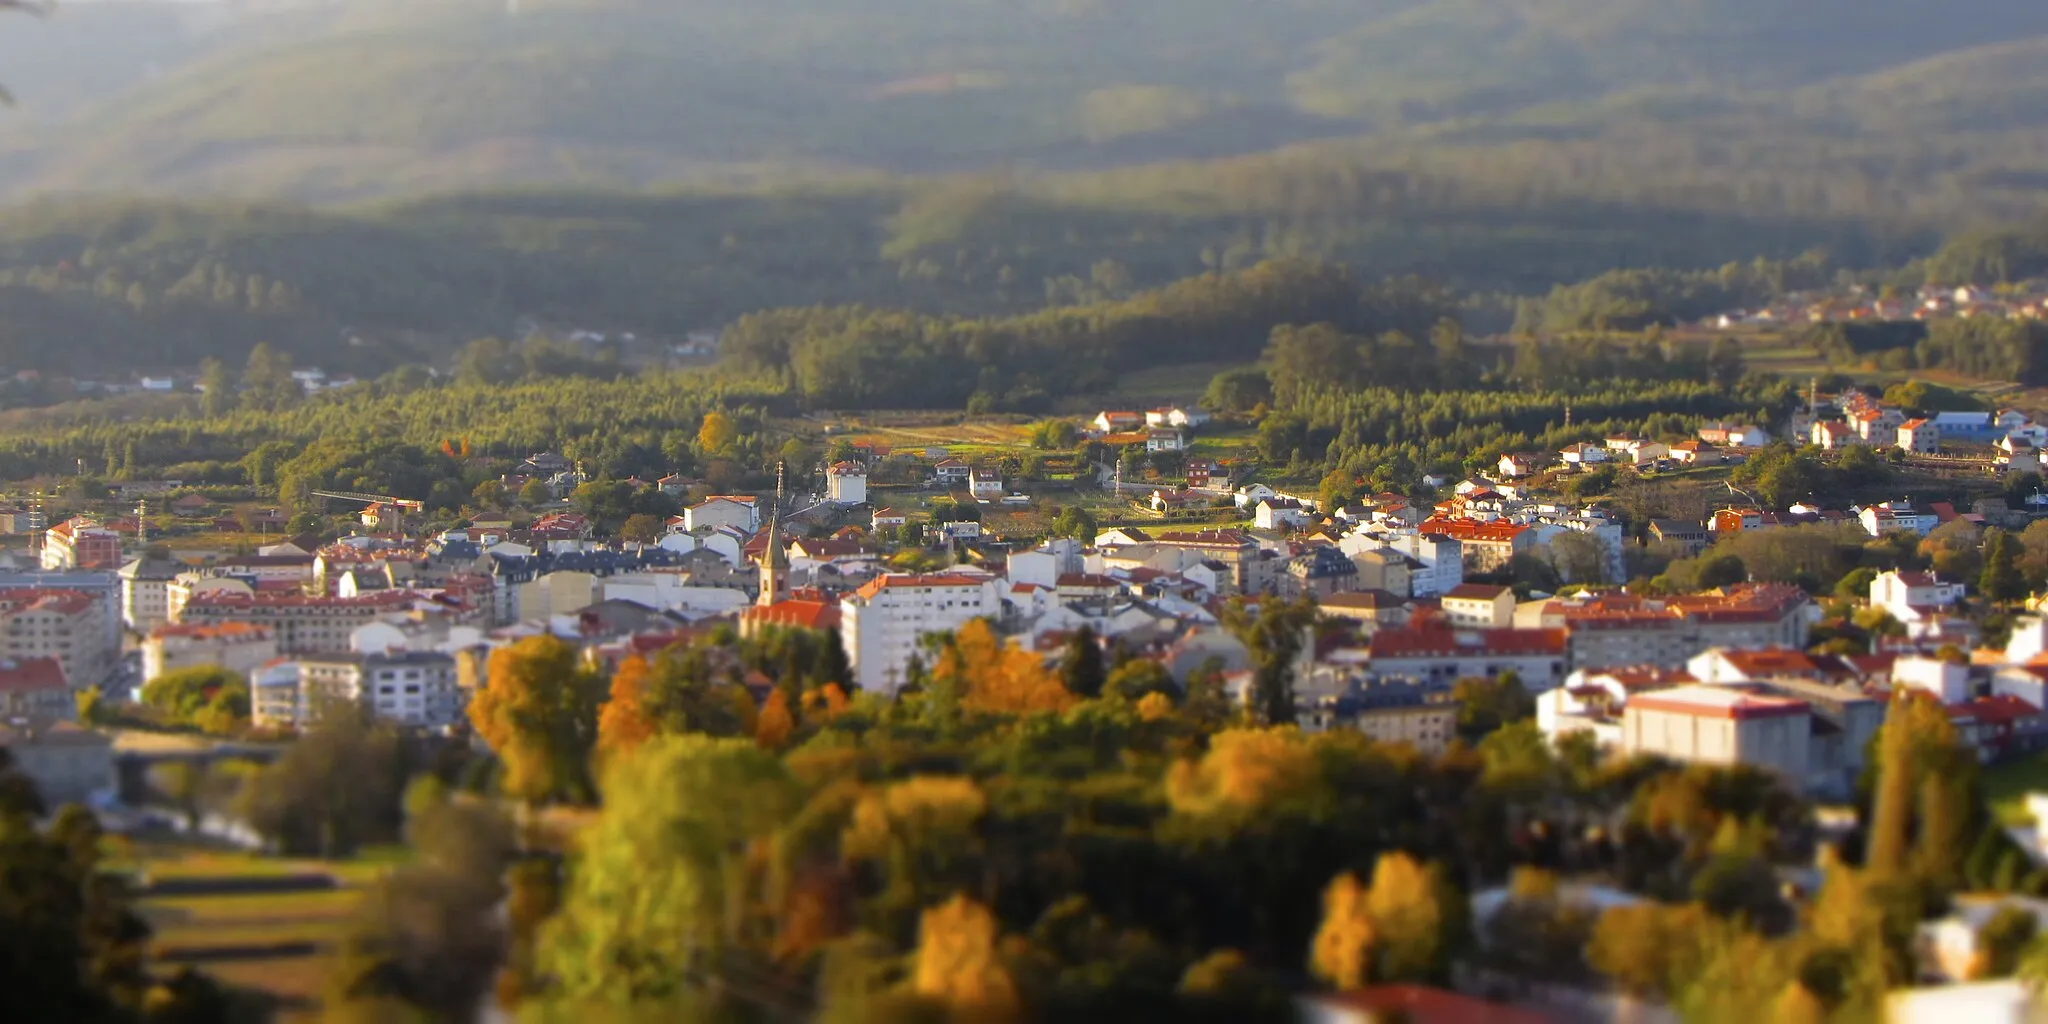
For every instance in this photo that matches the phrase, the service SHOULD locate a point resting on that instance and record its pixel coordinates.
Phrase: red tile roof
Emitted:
(1422, 643)
(801, 614)
(1418, 1004)
(891, 580)
(1475, 592)
(29, 675)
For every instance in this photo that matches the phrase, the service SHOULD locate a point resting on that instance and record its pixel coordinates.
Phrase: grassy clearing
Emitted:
(2007, 786)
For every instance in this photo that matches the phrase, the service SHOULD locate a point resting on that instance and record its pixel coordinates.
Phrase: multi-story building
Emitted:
(301, 625)
(35, 690)
(239, 647)
(1486, 545)
(410, 688)
(1441, 560)
(69, 763)
(882, 623)
(1322, 571)
(1428, 728)
(1722, 725)
(1438, 657)
(145, 592)
(1629, 629)
(846, 483)
(80, 543)
(66, 625)
(1234, 548)
(1479, 606)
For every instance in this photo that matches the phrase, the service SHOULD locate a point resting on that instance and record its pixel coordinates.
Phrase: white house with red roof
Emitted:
(35, 689)
(1722, 725)
(1912, 597)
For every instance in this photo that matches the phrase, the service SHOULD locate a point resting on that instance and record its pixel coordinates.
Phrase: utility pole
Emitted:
(142, 523)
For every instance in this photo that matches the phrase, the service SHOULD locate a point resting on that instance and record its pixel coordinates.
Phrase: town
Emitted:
(1407, 621)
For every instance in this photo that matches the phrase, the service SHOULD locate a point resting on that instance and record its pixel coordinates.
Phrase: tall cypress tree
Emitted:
(1081, 668)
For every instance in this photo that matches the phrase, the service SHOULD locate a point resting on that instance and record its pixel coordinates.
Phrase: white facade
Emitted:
(1907, 594)
(411, 689)
(740, 513)
(882, 623)
(1721, 725)
(846, 484)
(1443, 562)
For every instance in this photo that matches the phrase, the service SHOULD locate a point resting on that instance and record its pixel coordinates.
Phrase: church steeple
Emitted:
(775, 560)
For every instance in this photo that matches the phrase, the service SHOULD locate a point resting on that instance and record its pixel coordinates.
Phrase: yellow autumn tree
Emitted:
(538, 710)
(1343, 950)
(624, 723)
(775, 724)
(718, 434)
(1154, 707)
(995, 676)
(957, 962)
(1243, 770)
(1413, 918)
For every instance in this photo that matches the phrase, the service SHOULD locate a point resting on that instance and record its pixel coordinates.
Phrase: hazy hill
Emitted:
(330, 100)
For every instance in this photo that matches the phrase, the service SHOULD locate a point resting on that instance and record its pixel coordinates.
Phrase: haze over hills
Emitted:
(327, 101)
(667, 166)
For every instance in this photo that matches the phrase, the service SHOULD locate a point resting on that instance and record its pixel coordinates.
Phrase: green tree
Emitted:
(2001, 580)
(535, 493)
(218, 389)
(1275, 634)
(1081, 666)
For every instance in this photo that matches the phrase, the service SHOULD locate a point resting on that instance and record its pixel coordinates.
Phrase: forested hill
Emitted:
(370, 98)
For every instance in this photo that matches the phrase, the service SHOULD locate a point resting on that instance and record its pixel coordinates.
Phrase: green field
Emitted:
(2006, 787)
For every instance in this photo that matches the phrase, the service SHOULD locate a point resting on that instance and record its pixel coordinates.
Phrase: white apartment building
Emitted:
(239, 647)
(741, 512)
(846, 483)
(1441, 559)
(410, 688)
(66, 625)
(882, 622)
(145, 593)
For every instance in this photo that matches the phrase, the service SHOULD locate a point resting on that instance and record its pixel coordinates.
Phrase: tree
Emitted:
(535, 493)
(207, 696)
(995, 676)
(717, 435)
(1275, 635)
(1139, 678)
(267, 381)
(1649, 949)
(1081, 667)
(2002, 581)
(1074, 521)
(1417, 919)
(336, 788)
(217, 397)
(1579, 557)
(661, 891)
(538, 709)
(1238, 391)
(2003, 941)
(1345, 944)
(642, 529)
(777, 722)
(1920, 804)
(959, 964)
(1054, 435)
(625, 721)
(489, 494)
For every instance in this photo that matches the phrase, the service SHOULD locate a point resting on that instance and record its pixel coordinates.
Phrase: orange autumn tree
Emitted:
(776, 723)
(994, 676)
(625, 722)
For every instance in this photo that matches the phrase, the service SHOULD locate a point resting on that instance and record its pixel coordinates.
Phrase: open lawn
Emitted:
(2006, 787)
(275, 942)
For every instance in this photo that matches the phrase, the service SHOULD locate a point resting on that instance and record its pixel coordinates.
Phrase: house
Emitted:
(190, 505)
(1251, 494)
(1370, 609)
(1438, 657)
(1207, 475)
(1485, 546)
(741, 512)
(1322, 571)
(986, 484)
(2018, 455)
(1580, 456)
(846, 483)
(1479, 606)
(1164, 441)
(1383, 568)
(1736, 520)
(1176, 416)
(1735, 435)
(1834, 435)
(1429, 728)
(1910, 595)
(1893, 516)
(1281, 514)
(81, 543)
(1117, 421)
(1688, 537)
(951, 472)
(1920, 436)
(1515, 465)
(1695, 453)
(885, 518)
